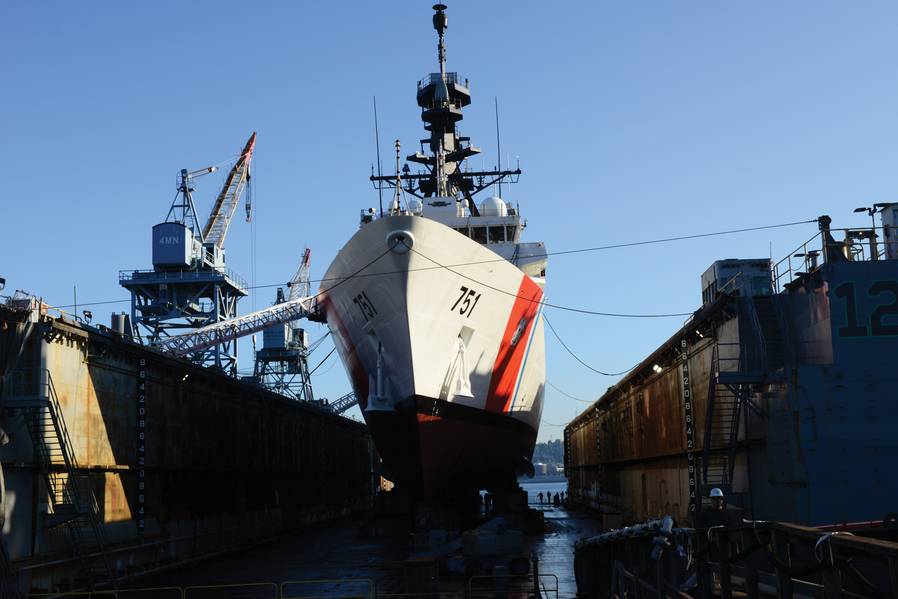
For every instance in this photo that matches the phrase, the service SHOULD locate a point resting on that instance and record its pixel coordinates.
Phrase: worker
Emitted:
(717, 513)
(540, 495)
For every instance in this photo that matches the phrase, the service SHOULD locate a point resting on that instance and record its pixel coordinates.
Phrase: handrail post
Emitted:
(703, 569)
(726, 584)
(751, 569)
(784, 587)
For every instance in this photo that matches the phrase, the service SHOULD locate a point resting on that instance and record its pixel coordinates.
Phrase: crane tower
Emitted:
(189, 285)
(282, 363)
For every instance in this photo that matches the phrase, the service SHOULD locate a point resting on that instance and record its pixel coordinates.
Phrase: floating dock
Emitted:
(779, 390)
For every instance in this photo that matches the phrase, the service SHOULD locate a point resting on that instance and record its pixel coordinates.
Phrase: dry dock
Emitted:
(121, 460)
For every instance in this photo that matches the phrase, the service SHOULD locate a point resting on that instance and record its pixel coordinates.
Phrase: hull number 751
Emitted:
(365, 306)
(466, 302)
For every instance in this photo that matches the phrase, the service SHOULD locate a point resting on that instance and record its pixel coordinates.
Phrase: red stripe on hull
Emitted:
(357, 372)
(513, 346)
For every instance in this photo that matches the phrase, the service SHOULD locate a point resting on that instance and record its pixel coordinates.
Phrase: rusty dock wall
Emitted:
(792, 392)
(628, 455)
(182, 460)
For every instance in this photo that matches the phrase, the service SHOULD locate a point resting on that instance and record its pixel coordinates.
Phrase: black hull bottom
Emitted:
(438, 448)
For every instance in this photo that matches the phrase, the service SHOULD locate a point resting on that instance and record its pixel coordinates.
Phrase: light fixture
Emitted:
(88, 315)
(657, 368)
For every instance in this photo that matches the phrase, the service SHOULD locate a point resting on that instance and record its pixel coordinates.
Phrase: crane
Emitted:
(232, 329)
(190, 286)
(282, 365)
(300, 285)
(216, 228)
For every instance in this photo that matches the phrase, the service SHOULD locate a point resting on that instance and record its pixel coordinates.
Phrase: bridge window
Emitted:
(509, 232)
(497, 234)
(478, 234)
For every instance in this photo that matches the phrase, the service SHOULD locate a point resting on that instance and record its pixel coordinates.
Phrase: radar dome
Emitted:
(493, 206)
(415, 206)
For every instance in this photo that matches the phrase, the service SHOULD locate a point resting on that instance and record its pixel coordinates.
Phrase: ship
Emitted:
(435, 307)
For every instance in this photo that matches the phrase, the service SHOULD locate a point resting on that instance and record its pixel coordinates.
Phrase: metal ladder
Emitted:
(721, 434)
(71, 496)
(769, 324)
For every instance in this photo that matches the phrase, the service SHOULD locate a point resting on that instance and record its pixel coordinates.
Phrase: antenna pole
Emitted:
(380, 193)
(498, 144)
(440, 22)
(397, 197)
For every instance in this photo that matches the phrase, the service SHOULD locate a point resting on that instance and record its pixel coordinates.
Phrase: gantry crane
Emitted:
(282, 365)
(189, 286)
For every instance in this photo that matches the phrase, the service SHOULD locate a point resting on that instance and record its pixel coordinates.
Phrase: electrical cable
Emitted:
(326, 370)
(544, 303)
(546, 254)
(549, 383)
(564, 345)
(333, 349)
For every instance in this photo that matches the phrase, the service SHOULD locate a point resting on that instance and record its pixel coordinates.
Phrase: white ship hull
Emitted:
(444, 345)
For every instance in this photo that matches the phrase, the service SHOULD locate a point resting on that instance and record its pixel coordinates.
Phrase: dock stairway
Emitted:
(721, 433)
(771, 332)
(733, 378)
(738, 369)
(71, 497)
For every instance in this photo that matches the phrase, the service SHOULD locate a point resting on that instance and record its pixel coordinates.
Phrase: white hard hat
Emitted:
(715, 492)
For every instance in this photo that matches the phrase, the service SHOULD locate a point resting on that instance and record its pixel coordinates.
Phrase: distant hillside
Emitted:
(551, 452)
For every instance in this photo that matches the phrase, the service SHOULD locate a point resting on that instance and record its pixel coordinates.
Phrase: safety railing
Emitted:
(858, 245)
(513, 585)
(249, 590)
(743, 559)
(509, 587)
(450, 79)
(182, 275)
(346, 588)
(137, 593)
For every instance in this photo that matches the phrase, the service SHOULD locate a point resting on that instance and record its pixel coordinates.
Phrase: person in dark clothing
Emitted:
(717, 513)
(540, 495)
(556, 501)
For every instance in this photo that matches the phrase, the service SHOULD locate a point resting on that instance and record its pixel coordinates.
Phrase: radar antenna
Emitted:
(441, 97)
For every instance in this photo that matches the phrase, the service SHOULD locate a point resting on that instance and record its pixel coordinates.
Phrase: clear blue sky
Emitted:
(632, 120)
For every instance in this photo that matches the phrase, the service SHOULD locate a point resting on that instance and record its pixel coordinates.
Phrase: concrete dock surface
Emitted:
(334, 560)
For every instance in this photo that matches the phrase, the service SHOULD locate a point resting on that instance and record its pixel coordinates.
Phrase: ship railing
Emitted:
(450, 79)
(860, 244)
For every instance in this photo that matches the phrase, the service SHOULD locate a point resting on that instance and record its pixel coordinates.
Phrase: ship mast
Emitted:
(441, 97)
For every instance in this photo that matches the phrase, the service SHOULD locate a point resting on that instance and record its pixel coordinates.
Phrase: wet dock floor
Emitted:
(337, 552)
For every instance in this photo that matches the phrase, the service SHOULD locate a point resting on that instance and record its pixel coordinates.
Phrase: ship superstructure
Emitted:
(435, 307)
